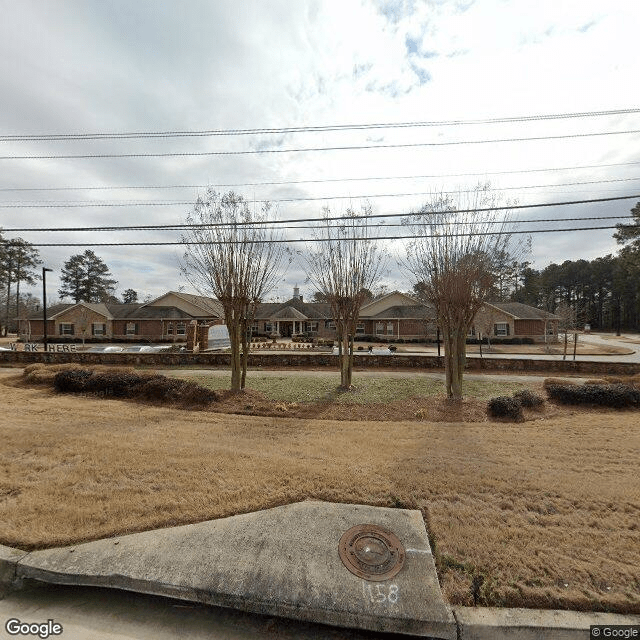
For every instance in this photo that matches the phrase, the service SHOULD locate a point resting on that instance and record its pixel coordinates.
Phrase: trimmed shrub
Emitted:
(132, 385)
(529, 399)
(172, 390)
(617, 396)
(71, 381)
(558, 381)
(505, 407)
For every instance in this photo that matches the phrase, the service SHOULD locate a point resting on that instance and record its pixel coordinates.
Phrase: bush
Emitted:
(551, 382)
(172, 390)
(71, 381)
(529, 399)
(132, 385)
(505, 407)
(617, 396)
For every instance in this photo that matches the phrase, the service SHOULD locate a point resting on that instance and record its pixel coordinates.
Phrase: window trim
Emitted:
(498, 329)
(63, 331)
(103, 329)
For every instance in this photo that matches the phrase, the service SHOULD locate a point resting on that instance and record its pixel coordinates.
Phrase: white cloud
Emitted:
(123, 66)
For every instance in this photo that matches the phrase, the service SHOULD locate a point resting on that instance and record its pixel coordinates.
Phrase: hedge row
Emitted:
(133, 385)
(618, 396)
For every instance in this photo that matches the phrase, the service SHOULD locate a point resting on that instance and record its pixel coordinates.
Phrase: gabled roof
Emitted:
(521, 311)
(58, 309)
(387, 296)
(208, 306)
(417, 311)
(52, 311)
(288, 313)
(310, 310)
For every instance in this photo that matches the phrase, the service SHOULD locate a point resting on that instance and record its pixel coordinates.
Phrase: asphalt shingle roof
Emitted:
(521, 311)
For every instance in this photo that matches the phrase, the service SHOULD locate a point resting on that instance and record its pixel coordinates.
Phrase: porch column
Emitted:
(277, 326)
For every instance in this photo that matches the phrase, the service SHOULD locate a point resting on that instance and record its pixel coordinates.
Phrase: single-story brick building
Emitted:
(390, 317)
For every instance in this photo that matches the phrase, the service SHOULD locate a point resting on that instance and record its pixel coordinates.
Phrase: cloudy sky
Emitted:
(84, 67)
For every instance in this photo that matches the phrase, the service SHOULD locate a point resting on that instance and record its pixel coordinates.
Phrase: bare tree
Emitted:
(453, 253)
(344, 265)
(567, 324)
(230, 255)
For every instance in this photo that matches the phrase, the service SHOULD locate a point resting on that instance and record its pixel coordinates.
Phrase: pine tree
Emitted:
(86, 278)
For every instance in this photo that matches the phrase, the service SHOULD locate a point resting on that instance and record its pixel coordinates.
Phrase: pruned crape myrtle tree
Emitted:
(344, 264)
(231, 255)
(456, 244)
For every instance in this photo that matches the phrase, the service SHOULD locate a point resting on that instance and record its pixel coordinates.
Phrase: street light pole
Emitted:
(44, 305)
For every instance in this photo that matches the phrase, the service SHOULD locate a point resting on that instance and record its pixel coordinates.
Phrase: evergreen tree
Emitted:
(18, 259)
(86, 278)
(130, 296)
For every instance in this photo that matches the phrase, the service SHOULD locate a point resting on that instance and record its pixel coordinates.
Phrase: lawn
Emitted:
(536, 514)
(310, 388)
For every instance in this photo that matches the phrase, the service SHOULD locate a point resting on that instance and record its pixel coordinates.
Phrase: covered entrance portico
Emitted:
(288, 322)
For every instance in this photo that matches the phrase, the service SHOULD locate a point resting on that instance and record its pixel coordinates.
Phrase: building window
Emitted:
(181, 329)
(98, 329)
(132, 329)
(472, 332)
(390, 328)
(311, 327)
(331, 324)
(66, 329)
(379, 328)
(501, 328)
(170, 329)
(360, 328)
(255, 327)
(268, 327)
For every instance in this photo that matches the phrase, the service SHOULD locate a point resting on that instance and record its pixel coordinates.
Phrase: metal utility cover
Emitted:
(371, 552)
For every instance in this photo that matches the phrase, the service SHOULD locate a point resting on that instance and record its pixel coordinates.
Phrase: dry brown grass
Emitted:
(542, 514)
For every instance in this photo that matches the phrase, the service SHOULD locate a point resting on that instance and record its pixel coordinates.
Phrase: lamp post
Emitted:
(44, 305)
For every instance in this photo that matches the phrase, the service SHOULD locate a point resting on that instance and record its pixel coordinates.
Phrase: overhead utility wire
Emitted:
(406, 145)
(52, 204)
(297, 240)
(307, 129)
(186, 226)
(262, 223)
(319, 180)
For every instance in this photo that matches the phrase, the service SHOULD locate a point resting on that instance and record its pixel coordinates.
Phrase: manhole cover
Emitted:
(371, 552)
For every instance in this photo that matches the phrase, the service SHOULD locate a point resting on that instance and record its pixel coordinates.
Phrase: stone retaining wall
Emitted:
(312, 360)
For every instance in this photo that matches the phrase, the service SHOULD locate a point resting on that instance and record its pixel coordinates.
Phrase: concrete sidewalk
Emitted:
(283, 562)
(279, 573)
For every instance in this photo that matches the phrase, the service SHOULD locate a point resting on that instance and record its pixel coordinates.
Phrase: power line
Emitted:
(49, 204)
(321, 180)
(181, 154)
(408, 216)
(306, 129)
(305, 240)
(179, 227)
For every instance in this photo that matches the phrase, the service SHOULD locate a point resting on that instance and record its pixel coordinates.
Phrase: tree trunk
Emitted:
(345, 374)
(575, 345)
(566, 337)
(236, 364)
(459, 361)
